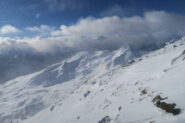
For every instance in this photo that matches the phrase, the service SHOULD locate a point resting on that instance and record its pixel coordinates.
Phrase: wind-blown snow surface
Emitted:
(90, 87)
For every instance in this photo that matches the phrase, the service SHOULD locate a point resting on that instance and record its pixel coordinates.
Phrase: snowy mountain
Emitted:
(122, 86)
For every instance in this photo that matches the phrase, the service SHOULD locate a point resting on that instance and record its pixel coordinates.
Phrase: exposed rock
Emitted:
(51, 109)
(87, 93)
(183, 53)
(120, 108)
(143, 92)
(158, 98)
(170, 108)
(174, 46)
(131, 61)
(106, 119)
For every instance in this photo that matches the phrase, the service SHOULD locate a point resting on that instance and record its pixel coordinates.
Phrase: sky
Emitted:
(27, 13)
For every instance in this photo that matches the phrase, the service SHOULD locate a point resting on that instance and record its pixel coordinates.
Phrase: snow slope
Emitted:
(99, 87)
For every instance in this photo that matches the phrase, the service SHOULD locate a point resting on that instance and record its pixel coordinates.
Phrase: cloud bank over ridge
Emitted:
(152, 29)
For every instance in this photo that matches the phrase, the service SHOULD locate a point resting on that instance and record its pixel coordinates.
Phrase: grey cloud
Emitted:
(20, 58)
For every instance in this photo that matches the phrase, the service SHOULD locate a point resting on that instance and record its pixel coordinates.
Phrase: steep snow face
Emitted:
(100, 87)
(82, 65)
(25, 96)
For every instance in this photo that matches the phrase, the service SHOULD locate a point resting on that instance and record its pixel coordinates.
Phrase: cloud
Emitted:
(153, 28)
(109, 33)
(43, 30)
(9, 29)
(19, 57)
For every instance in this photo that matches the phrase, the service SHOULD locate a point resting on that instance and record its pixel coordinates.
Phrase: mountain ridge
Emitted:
(100, 87)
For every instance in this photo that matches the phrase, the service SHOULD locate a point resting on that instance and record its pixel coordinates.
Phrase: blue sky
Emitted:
(26, 13)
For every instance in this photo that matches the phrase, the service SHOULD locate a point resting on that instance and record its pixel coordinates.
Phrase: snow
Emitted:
(93, 85)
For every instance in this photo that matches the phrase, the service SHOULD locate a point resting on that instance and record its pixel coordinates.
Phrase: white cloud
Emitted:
(153, 28)
(9, 29)
(43, 30)
(109, 33)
